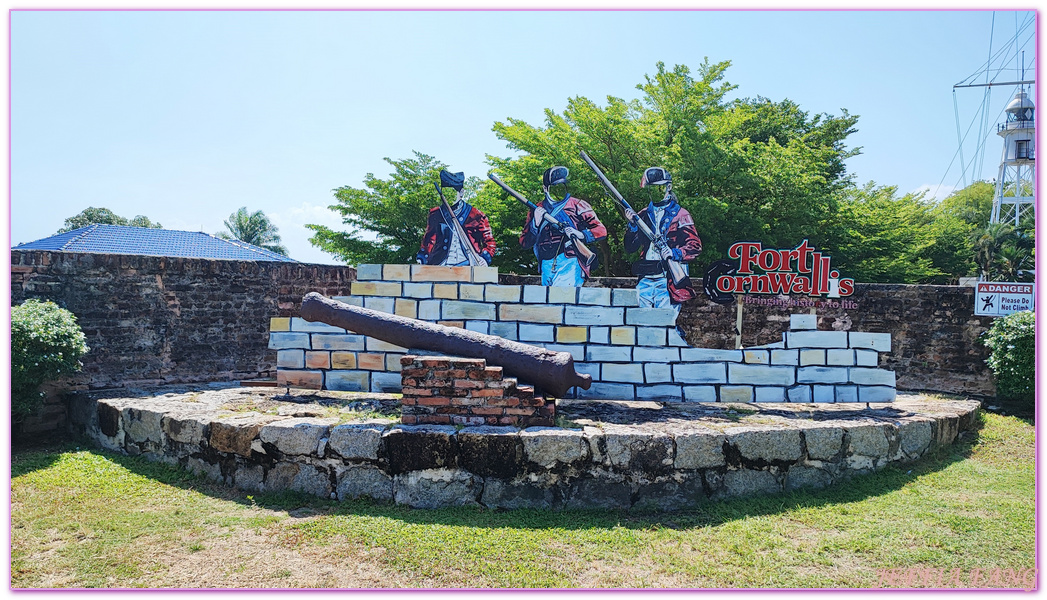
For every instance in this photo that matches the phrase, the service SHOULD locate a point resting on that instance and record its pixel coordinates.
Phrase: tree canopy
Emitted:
(104, 216)
(253, 228)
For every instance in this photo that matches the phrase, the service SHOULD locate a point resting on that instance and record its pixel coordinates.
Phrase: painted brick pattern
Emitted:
(631, 352)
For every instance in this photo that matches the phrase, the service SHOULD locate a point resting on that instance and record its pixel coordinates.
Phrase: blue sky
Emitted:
(186, 116)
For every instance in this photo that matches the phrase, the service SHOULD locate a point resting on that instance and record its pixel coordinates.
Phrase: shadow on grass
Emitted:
(705, 513)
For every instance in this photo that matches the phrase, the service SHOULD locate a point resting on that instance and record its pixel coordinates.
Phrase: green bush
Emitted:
(1012, 343)
(46, 343)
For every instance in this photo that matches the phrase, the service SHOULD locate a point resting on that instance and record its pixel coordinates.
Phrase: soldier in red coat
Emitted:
(667, 218)
(442, 244)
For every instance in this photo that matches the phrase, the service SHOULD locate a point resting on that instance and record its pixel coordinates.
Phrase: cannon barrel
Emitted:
(547, 370)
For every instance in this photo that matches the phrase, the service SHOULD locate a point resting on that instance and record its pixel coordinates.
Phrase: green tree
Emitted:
(253, 228)
(104, 216)
(972, 204)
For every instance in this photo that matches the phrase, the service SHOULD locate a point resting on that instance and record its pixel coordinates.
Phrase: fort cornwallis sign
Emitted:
(766, 271)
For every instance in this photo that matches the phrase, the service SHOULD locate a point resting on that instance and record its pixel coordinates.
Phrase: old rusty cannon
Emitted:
(550, 371)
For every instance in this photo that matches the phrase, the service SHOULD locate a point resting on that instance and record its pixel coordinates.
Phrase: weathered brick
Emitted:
(317, 359)
(375, 288)
(282, 341)
(881, 342)
(563, 295)
(420, 291)
(662, 355)
(347, 381)
(429, 310)
(624, 297)
(623, 336)
(484, 274)
(502, 293)
(700, 373)
(803, 322)
(503, 330)
(665, 317)
(710, 355)
(736, 393)
(594, 295)
(593, 315)
(448, 291)
(344, 341)
(536, 333)
(812, 357)
(699, 393)
(406, 307)
(280, 324)
(571, 335)
(760, 375)
(837, 357)
(471, 291)
(440, 273)
(816, 339)
(313, 380)
(535, 294)
(368, 272)
(657, 373)
(785, 357)
(371, 362)
(756, 357)
(290, 359)
(651, 336)
(300, 325)
(821, 375)
(380, 303)
(458, 324)
(531, 313)
(865, 376)
(608, 353)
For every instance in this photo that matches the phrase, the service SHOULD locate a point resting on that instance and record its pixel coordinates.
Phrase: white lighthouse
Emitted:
(1014, 201)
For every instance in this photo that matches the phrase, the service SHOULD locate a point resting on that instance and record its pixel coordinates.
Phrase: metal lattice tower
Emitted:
(1015, 198)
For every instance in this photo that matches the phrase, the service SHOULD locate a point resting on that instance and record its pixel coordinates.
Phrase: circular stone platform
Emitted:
(631, 455)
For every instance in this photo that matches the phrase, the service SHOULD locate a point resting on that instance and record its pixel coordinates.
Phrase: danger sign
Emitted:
(999, 298)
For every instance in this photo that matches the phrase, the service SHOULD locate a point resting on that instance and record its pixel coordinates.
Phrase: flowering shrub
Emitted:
(1012, 343)
(46, 343)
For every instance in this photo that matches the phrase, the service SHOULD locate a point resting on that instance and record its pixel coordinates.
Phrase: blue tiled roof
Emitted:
(120, 239)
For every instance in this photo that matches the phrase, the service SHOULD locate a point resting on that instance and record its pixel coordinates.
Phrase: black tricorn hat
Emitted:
(452, 180)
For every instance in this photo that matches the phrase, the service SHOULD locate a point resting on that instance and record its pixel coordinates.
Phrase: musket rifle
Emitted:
(467, 246)
(675, 269)
(587, 255)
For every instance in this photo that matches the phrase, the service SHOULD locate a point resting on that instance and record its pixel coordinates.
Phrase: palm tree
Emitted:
(987, 245)
(253, 228)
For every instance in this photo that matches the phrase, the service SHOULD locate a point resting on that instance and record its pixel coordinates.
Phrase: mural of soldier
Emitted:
(674, 224)
(560, 262)
(456, 234)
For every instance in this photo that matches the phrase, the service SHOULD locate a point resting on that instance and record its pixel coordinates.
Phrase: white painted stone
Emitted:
(816, 339)
(600, 335)
(352, 300)
(625, 297)
(821, 375)
(376, 345)
(537, 333)
(429, 310)
(866, 358)
(769, 394)
(478, 326)
(595, 315)
(348, 381)
(588, 369)
(661, 355)
(657, 373)
(335, 341)
(659, 392)
(881, 342)
(785, 357)
(699, 393)
(368, 272)
(502, 293)
(700, 373)
(282, 340)
(535, 294)
(760, 375)
(803, 322)
(457, 309)
(799, 393)
(663, 317)
(650, 336)
(563, 295)
(471, 291)
(622, 372)
(608, 353)
(864, 376)
(736, 393)
(300, 325)
(846, 393)
(594, 296)
(812, 357)
(824, 393)
(484, 274)
(710, 355)
(503, 330)
(838, 357)
(418, 290)
(608, 391)
(290, 359)
(389, 383)
(756, 357)
(577, 351)
(675, 339)
(386, 305)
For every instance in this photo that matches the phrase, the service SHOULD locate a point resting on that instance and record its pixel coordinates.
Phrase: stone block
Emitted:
(490, 451)
(471, 291)
(600, 335)
(846, 393)
(285, 341)
(681, 491)
(296, 436)
(592, 369)
(700, 373)
(658, 317)
(376, 345)
(699, 393)
(211, 471)
(815, 339)
(186, 428)
(625, 297)
(801, 476)
(235, 434)
(662, 355)
(435, 488)
(350, 300)
(396, 272)
(280, 324)
(837, 357)
(577, 351)
(368, 272)
(823, 393)
(502, 293)
(376, 288)
(515, 494)
(356, 441)
(608, 353)
(454, 309)
(803, 322)
(429, 310)
(599, 491)
(336, 341)
(769, 394)
(656, 373)
(748, 482)
(419, 447)
(420, 291)
(593, 315)
(769, 445)
(370, 362)
(823, 443)
(531, 313)
(406, 307)
(864, 376)
(441, 273)
(651, 336)
(381, 304)
(445, 291)
(250, 479)
(799, 393)
(535, 294)
(571, 335)
(348, 381)
(392, 362)
(821, 374)
(914, 437)
(867, 440)
(866, 358)
(736, 393)
(313, 380)
(675, 339)
(756, 357)
(623, 336)
(785, 357)
(710, 355)
(760, 375)
(622, 372)
(647, 453)
(699, 450)
(368, 481)
(290, 359)
(665, 392)
(478, 326)
(300, 325)
(142, 425)
(317, 359)
(387, 383)
(876, 393)
(503, 330)
(608, 391)
(594, 296)
(812, 357)
(880, 342)
(550, 447)
(563, 295)
(485, 274)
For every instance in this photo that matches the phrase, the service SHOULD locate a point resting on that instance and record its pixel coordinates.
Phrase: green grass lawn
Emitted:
(87, 518)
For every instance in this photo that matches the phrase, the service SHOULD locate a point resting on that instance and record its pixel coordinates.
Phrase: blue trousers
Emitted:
(562, 271)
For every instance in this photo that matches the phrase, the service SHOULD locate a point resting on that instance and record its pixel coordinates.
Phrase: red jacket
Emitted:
(677, 227)
(548, 242)
(436, 243)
